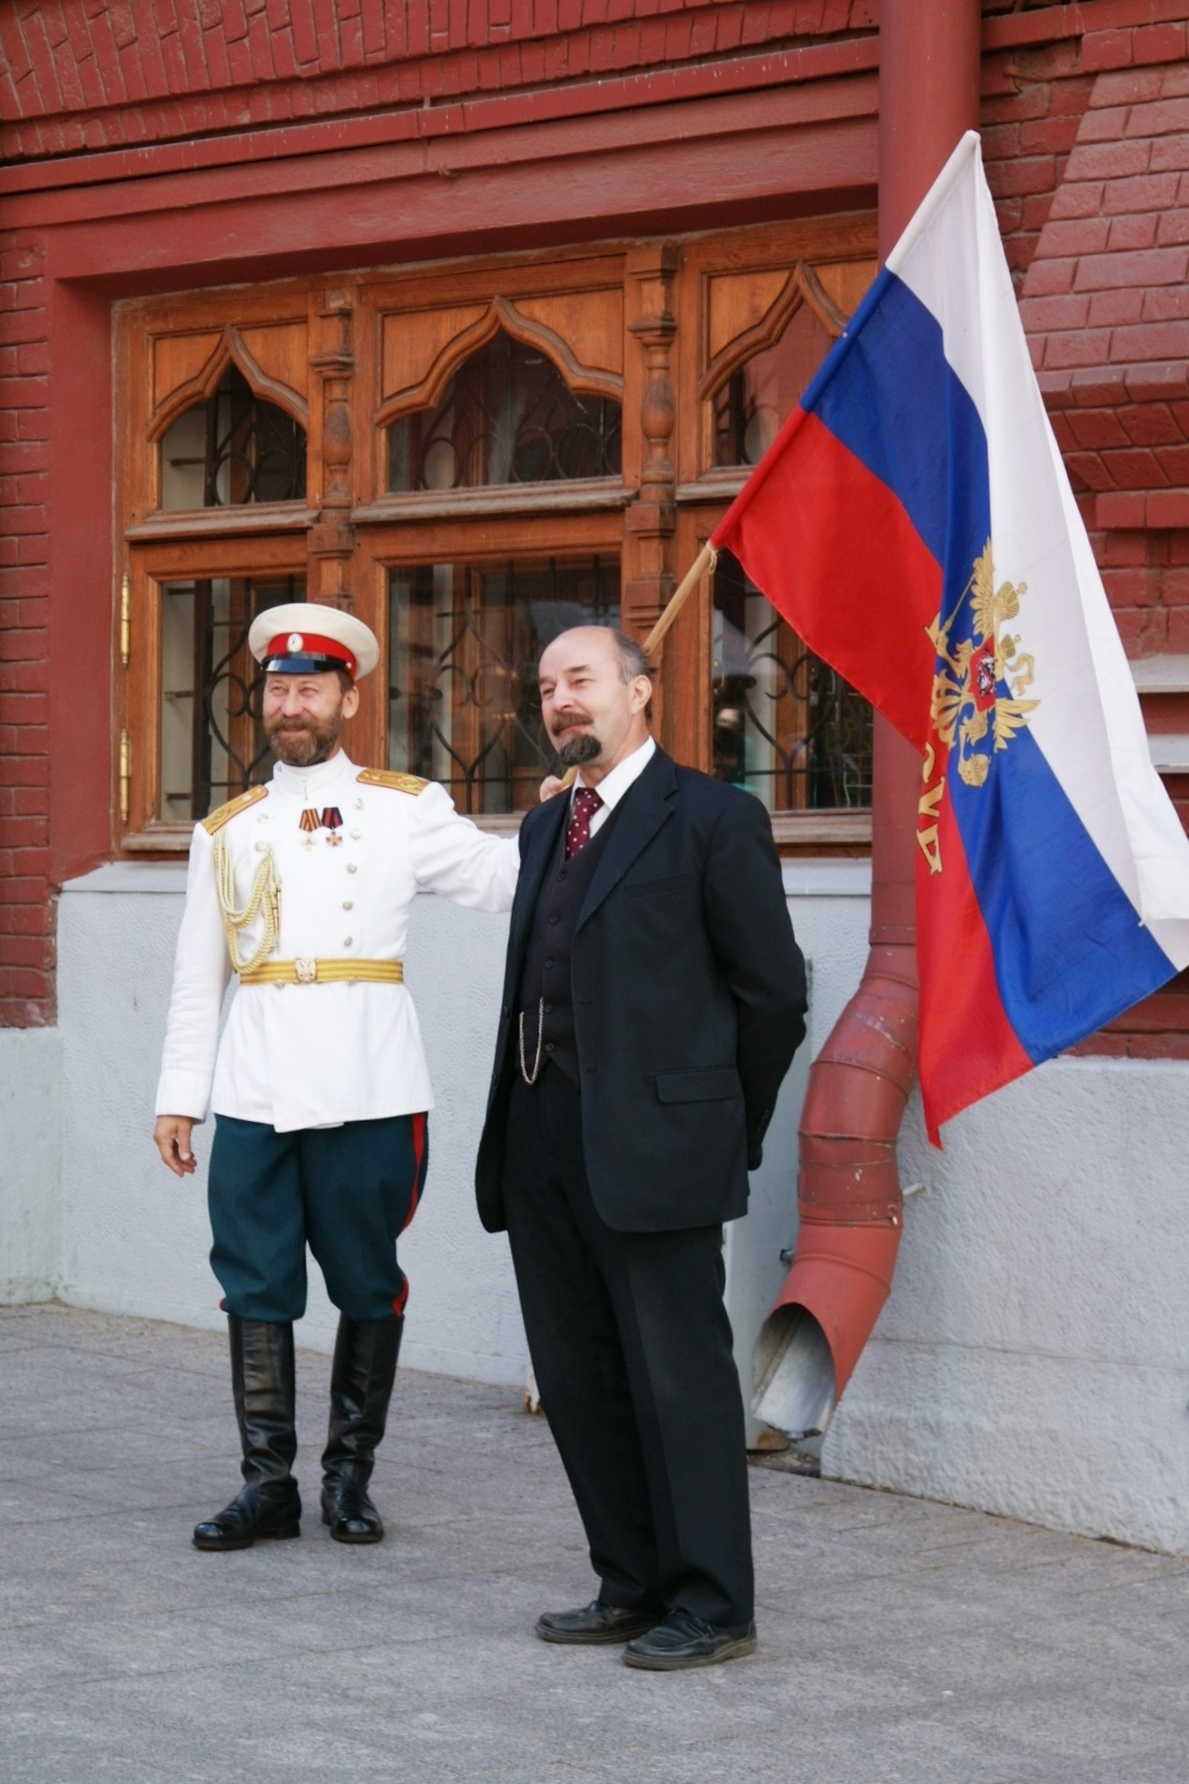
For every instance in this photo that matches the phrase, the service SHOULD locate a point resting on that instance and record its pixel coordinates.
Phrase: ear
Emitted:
(641, 692)
(351, 702)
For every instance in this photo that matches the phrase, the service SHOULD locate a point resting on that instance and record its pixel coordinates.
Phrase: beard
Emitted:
(578, 747)
(577, 750)
(302, 743)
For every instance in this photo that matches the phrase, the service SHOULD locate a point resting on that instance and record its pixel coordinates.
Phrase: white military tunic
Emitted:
(313, 1055)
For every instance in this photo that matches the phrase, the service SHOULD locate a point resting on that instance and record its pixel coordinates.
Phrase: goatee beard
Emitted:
(575, 751)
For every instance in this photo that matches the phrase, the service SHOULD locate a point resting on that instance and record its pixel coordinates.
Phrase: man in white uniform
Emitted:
(320, 1087)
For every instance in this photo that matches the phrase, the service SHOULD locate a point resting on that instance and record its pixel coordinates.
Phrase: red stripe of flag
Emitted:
(968, 1047)
(834, 551)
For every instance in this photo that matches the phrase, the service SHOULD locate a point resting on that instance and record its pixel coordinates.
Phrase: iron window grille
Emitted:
(506, 416)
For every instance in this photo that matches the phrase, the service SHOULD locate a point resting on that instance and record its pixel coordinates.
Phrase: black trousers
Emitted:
(631, 1346)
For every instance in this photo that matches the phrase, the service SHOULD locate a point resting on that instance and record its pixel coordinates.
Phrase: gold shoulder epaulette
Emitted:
(232, 809)
(399, 783)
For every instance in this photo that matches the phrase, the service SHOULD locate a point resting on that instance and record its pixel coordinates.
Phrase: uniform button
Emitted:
(549, 1009)
(260, 847)
(359, 805)
(351, 868)
(355, 835)
(346, 941)
(562, 874)
(553, 917)
(549, 1046)
(348, 904)
(549, 966)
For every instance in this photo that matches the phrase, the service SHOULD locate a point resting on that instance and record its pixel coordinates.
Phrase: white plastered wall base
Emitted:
(1033, 1358)
(30, 1163)
(137, 1239)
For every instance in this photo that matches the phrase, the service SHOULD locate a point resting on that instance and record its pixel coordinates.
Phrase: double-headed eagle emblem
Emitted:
(968, 713)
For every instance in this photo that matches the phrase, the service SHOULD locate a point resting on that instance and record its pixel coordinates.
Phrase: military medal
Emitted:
(309, 823)
(332, 823)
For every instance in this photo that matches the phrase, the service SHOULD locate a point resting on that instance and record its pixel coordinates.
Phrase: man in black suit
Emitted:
(653, 999)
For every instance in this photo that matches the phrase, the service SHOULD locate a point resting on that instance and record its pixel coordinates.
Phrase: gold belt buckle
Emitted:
(306, 970)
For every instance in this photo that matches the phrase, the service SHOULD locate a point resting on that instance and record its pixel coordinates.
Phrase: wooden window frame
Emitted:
(151, 567)
(324, 349)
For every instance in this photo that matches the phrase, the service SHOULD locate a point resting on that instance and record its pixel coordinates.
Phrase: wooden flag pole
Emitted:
(704, 561)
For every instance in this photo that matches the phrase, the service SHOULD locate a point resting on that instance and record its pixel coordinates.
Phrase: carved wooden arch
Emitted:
(585, 379)
(230, 350)
(801, 287)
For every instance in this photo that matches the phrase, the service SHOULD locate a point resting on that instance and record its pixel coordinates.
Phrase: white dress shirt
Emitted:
(315, 1055)
(614, 785)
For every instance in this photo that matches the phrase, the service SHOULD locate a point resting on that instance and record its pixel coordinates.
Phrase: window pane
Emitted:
(212, 739)
(506, 416)
(463, 706)
(786, 727)
(750, 407)
(231, 449)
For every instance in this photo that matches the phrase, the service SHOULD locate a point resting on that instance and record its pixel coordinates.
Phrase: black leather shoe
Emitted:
(594, 1624)
(684, 1640)
(361, 1378)
(350, 1513)
(264, 1508)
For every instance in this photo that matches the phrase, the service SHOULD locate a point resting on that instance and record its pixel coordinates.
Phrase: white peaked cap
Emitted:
(306, 638)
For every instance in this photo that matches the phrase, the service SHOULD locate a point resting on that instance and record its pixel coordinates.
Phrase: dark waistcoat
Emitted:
(545, 984)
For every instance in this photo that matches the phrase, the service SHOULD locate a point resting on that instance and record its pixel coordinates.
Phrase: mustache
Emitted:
(572, 715)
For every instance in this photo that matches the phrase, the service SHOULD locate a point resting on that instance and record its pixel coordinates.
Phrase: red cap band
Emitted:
(312, 644)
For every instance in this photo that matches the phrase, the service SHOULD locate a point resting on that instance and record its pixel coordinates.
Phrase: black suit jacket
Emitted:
(689, 1002)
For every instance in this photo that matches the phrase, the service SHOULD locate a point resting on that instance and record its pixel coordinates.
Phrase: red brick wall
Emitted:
(26, 912)
(1033, 101)
(1107, 312)
(88, 75)
(104, 74)
(85, 75)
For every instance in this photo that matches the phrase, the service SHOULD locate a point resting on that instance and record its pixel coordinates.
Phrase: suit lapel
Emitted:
(647, 806)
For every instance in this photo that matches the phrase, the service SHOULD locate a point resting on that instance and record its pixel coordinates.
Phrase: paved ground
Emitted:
(900, 1640)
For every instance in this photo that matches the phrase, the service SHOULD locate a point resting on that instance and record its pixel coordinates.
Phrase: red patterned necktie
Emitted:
(586, 804)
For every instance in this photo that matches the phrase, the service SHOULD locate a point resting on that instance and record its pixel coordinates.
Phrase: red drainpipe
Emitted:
(849, 1195)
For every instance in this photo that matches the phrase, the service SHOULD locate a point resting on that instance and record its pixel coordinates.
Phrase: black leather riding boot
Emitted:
(265, 1389)
(361, 1381)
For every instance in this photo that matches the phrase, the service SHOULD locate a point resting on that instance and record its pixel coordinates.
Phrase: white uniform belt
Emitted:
(325, 972)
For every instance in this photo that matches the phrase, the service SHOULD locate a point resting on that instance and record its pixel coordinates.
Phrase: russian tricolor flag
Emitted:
(913, 521)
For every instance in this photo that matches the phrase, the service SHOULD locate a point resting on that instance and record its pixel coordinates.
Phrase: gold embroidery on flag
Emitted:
(930, 809)
(967, 709)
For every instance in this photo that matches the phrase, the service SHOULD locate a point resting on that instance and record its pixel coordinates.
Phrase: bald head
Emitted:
(595, 691)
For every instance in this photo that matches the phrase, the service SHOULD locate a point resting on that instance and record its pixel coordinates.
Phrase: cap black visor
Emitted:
(303, 665)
